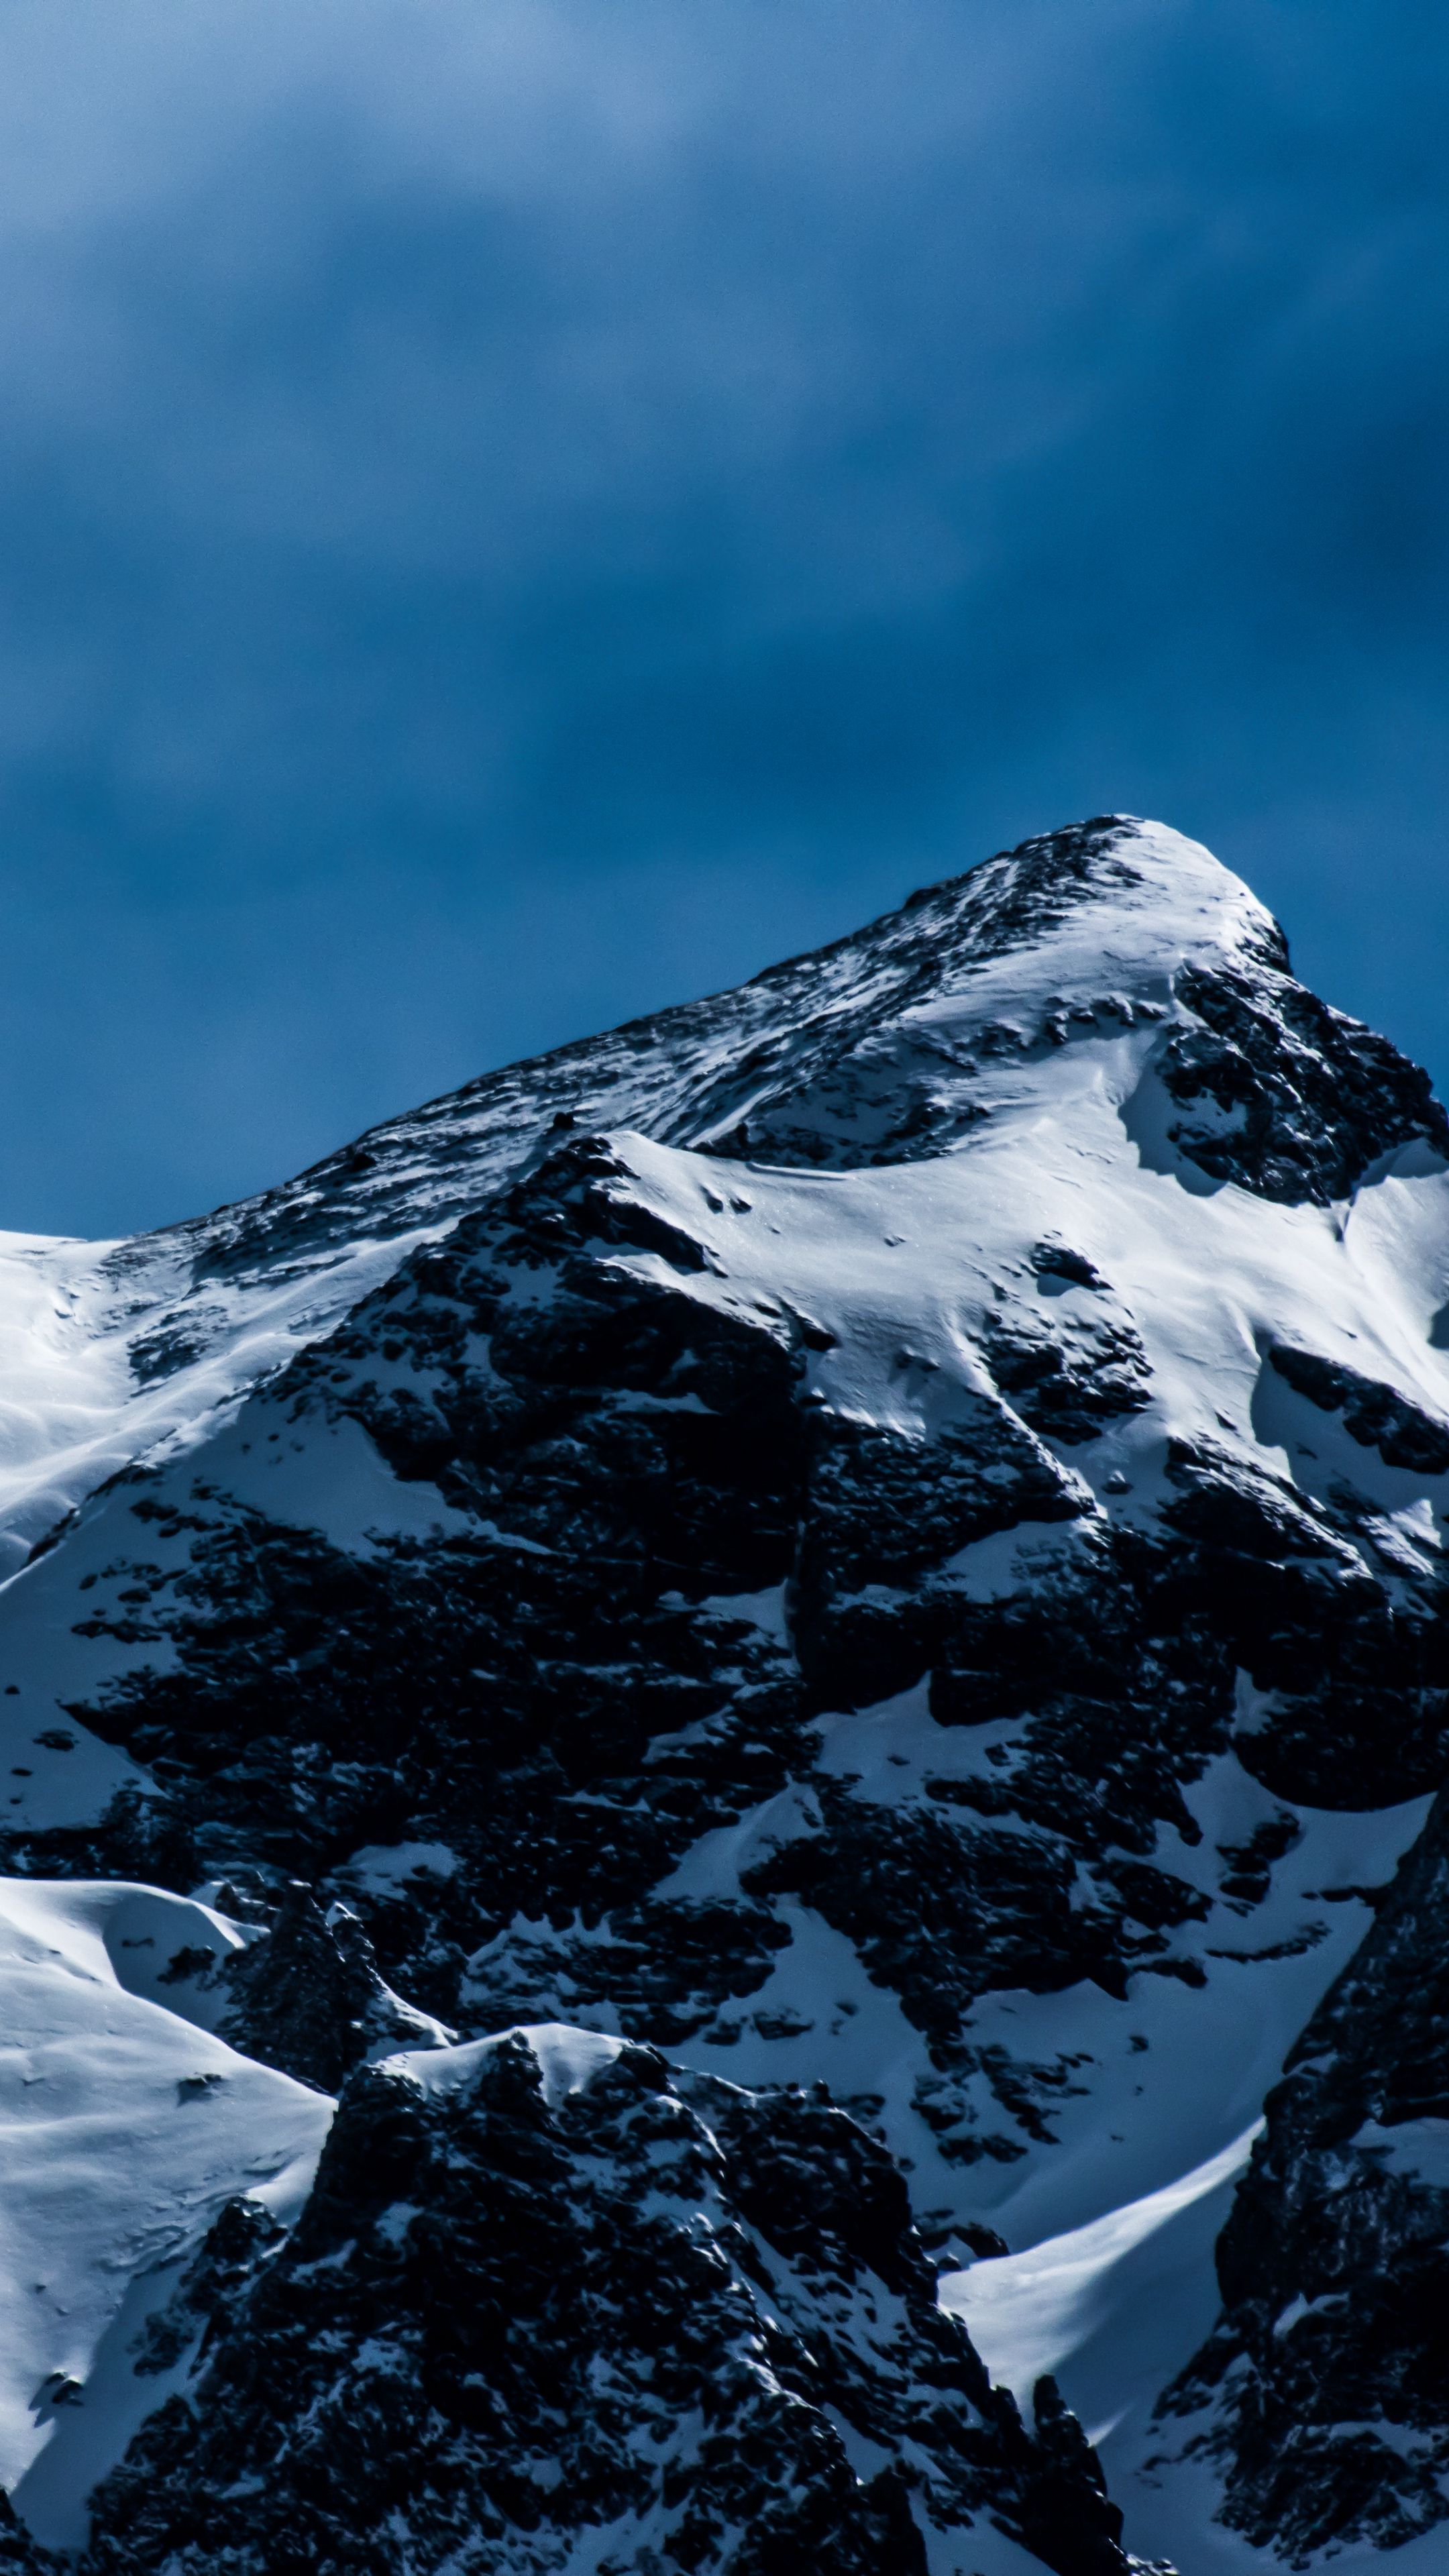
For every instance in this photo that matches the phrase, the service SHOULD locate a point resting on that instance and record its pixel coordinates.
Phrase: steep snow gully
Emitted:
(725, 1831)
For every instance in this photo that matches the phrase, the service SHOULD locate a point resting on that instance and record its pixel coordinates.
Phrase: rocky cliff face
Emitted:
(872, 1549)
(549, 2304)
(1323, 2392)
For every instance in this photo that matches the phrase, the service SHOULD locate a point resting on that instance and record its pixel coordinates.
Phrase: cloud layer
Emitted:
(511, 516)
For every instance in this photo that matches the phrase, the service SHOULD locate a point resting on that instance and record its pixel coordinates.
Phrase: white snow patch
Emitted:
(1143, 2115)
(980, 2551)
(765, 1610)
(713, 1865)
(74, 1408)
(889, 1750)
(568, 2059)
(123, 2129)
(1113, 2309)
(995, 1568)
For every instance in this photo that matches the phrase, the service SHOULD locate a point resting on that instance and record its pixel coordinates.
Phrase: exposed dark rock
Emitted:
(1323, 2395)
(880, 1513)
(665, 1971)
(1378, 1418)
(1305, 1099)
(567, 1700)
(501, 2325)
(308, 1998)
(1357, 1660)
(1068, 1381)
(1058, 1267)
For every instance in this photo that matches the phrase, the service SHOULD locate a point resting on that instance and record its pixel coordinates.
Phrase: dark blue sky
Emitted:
(514, 514)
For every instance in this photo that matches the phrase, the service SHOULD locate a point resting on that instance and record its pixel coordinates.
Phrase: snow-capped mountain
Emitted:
(801, 1654)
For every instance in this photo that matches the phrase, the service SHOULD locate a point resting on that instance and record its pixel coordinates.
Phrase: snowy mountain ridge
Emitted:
(874, 1543)
(112, 1348)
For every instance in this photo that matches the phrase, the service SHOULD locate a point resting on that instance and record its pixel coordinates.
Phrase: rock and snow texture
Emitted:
(554, 2305)
(126, 2126)
(882, 1532)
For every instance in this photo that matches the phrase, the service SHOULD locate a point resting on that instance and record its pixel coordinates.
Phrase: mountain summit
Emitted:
(798, 1655)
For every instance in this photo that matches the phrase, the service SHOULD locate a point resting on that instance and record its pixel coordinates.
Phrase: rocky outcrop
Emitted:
(19, 2554)
(550, 2298)
(1403, 1434)
(1323, 2395)
(1286, 1096)
(308, 1997)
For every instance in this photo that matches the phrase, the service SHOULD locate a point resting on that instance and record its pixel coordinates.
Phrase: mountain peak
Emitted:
(1113, 955)
(1148, 894)
(1111, 912)
(1113, 909)
(1112, 970)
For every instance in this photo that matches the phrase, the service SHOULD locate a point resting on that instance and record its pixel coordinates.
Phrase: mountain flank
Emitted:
(799, 1656)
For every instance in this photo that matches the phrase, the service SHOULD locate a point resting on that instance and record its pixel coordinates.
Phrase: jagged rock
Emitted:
(308, 1998)
(1323, 2394)
(1305, 1099)
(1068, 1384)
(547, 2295)
(1403, 1434)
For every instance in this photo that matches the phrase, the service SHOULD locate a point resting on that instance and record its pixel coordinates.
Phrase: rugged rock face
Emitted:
(544, 2294)
(1284, 1095)
(308, 1997)
(1324, 2390)
(881, 1535)
(18, 2553)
